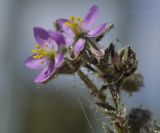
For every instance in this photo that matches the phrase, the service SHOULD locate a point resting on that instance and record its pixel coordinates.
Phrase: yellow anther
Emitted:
(68, 24)
(35, 56)
(40, 56)
(41, 53)
(72, 18)
(40, 50)
(34, 51)
(37, 46)
(44, 53)
(79, 19)
(74, 26)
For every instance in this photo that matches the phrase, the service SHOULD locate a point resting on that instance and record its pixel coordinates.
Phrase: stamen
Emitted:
(37, 46)
(40, 56)
(75, 24)
(68, 24)
(72, 18)
(79, 19)
(41, 62)
(74, 27)
(40, 50)
(36, 56)
(34, 51)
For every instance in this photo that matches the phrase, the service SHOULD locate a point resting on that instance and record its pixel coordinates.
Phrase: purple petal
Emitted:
(51, 44)
(68, 40)
(41, 35)
(79, 46)
(61, 22)
(46, 74)
(57, 36)
(91, 18)
(59, 59)
(97, 52)
(97, 31)
(35, 63)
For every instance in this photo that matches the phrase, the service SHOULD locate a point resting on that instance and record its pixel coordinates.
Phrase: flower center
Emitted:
(75, 24)
(41, 53)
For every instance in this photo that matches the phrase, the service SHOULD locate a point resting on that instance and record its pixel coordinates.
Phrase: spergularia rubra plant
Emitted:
(75, 44)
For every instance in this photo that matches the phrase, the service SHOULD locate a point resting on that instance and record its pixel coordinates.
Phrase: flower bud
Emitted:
(133, 82)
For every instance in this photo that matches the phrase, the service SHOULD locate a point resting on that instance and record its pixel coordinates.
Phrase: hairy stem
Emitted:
(88, 82)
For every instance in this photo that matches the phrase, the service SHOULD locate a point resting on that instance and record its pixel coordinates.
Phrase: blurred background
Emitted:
(29, 108)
